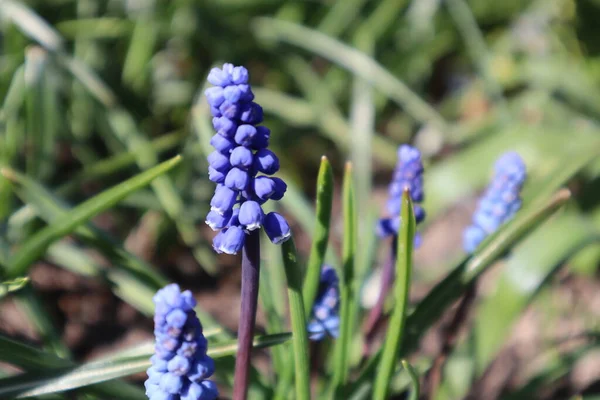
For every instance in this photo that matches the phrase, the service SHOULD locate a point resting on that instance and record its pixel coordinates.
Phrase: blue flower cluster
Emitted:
(407, 174)
(500, 201)
(180, 364)
(240, 154)
(325, 313)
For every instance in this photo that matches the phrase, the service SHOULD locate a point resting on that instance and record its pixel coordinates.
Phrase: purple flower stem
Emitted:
(249, 299)
(387, 280)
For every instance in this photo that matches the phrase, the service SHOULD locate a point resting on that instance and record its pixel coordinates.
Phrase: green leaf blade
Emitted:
(34, 248)
(321, 234)
(395, 333)
(347, 284)
(300, 335)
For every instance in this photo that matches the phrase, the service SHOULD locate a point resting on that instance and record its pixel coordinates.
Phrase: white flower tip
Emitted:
(226, 250)
(217, 210)
(282, 238)
(211, 225)
(252, 227)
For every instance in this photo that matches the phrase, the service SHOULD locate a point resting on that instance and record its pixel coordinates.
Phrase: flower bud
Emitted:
(244, 135)
(223, 200)
(251, 215)
(218, 77)
(266, 161)
(237, 179)
(241, 157)
(218, 161)
(277, 228)
(222, 144)
(232, 240)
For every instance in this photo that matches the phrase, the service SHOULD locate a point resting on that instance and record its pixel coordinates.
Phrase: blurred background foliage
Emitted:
(96, 91)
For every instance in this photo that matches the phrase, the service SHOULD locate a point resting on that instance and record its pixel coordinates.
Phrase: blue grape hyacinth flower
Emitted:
(180, 365)
(408, 173)
(241, 164)
(500, 201)
(325, 313)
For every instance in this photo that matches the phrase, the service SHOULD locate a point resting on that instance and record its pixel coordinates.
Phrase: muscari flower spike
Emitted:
(325, 313)
(500, 201)
(408, 173)
(180, 365)
(241, 164)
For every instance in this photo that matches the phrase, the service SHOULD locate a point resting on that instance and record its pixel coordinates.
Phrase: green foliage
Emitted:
(100, 97)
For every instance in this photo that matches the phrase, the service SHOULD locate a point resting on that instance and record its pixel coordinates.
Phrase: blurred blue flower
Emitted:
(180, 365)
(240, 154)
(500, 201)
(407, 174)
(325, 318)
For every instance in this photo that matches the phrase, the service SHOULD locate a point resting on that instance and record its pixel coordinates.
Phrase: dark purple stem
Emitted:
(249, 299)
(387, 279)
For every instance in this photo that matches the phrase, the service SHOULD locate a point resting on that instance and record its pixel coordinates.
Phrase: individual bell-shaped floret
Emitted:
(237, 179)
(245, 134)
(231, 240)
(219, 161)
(266, 161)
(251, 215)
(241, 157)
(217, 221)
(224, 126)
(223, 200)
(277, 228)
(222, 144)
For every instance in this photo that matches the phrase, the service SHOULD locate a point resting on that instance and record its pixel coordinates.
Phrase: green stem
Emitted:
(300, 336)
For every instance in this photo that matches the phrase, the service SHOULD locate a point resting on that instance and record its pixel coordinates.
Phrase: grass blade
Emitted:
(414, 380)
(27, 357)
(108, 368)
(475, 42)
(347, 283)
(34, 309)
(395, 331)
(321, 234)
(354, 61)
(341, 14)
(12, 285)
(526, 271)
(34, 248)
(300, 336)
(321, 110)
(31, 24)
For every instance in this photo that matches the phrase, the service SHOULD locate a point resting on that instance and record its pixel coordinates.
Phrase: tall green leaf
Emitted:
(299, 335)
(347, 284)
(401, 291)
(321, 234)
